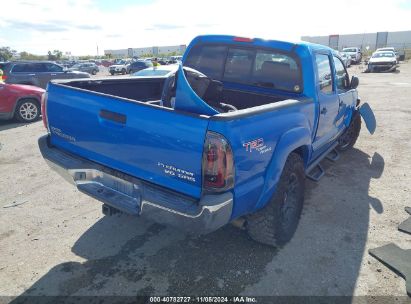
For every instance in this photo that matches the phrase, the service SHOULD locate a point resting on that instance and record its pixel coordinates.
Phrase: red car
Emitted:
(20, 101)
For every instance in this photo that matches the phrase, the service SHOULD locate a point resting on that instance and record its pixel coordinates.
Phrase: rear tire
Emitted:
(276, 223)
(27, 110)
(94, 72)
(123, 71)
(112, 73)
(348, 139)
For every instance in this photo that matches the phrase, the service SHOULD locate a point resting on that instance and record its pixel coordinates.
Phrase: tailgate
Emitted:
(157, 145)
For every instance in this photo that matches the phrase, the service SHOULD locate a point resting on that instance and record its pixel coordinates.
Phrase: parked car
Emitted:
(90, 68)
(105, 63)
(162, 70)
(37, 73)
(139, 65)
(345, 58)
(121, 67)
(355, 53)
(384, 61)
(390, 49)
(21, 102)
(175, 59)
(230, 136)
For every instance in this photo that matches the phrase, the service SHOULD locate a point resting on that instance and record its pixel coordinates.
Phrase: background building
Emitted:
(154, 51)
(399, 40)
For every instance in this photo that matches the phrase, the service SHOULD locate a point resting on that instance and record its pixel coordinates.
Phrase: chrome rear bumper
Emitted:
(137, 197)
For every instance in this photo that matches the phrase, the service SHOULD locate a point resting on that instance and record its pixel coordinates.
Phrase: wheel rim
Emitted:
(289, 208)
(28, 111)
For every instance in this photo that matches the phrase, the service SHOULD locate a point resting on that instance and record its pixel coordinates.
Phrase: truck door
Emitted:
(346, 96)
(328, 102)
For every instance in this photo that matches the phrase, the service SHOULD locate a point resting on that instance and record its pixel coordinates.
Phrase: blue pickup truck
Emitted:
(230, 137)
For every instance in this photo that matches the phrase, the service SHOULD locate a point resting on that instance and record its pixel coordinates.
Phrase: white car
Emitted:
(390, 49)
(162, 70)
(120, 68)
(355, 54)
(382, 61)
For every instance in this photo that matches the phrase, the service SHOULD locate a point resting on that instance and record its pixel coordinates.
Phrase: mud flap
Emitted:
(368, 115)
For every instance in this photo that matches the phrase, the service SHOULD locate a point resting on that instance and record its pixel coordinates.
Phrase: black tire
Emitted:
(277, 222)
(112, 73)
(27, 110)
(94, 72)
(349, 137)
(123, 71)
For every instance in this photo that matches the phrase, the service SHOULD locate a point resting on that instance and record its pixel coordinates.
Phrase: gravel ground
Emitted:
(55, 241)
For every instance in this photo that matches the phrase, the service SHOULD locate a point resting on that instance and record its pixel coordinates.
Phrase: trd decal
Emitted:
(257, 145)
(254, 144)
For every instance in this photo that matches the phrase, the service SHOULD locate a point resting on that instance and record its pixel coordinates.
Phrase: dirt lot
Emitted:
(56, 241)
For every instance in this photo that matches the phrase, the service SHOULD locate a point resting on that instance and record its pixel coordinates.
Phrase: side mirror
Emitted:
(354, 82)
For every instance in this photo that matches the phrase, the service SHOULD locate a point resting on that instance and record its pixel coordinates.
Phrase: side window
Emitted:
(276, 70)
(238, 65)
(208, 59)
(324, 73)
(341, 75)
(19, 68)
(51, 67)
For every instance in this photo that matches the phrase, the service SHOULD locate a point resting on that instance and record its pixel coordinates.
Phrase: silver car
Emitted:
(345, 58)
(38, 73)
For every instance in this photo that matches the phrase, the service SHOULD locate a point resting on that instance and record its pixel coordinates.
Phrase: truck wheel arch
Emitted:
(295, 140)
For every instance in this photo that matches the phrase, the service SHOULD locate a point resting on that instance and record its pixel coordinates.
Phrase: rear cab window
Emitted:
(251, 66)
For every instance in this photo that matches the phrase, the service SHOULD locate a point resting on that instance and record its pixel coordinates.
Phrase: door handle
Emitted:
(323, 111)
(113, 116)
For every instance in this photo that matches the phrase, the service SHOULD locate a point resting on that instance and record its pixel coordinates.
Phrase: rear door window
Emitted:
(276, 70)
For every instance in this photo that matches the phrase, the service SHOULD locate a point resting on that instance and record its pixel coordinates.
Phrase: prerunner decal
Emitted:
(177, 172)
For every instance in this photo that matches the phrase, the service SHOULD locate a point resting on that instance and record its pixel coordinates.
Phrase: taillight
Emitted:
(218, 165)
(44, 110)
(3, 77)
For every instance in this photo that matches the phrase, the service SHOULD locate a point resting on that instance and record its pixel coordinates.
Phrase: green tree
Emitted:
(55, 55)
(28, 56)
(6, 53)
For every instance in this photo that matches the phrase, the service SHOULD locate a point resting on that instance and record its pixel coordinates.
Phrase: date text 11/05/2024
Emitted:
(237, 299)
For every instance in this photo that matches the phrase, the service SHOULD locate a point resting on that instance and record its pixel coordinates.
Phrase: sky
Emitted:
(79, 26)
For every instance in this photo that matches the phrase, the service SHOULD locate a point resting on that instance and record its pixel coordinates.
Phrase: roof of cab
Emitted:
(259, 42)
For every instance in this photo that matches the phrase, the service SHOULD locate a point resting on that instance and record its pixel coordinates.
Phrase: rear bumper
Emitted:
(138, 197)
